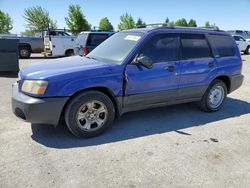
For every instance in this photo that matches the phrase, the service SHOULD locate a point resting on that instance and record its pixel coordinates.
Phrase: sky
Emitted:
(227, 14)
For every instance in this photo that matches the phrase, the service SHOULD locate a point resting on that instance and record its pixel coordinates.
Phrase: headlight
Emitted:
(34, 86)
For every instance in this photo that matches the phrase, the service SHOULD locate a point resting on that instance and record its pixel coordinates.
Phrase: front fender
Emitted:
(113, 83)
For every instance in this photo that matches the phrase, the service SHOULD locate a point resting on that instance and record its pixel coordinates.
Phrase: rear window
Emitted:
(222, 44)
(81, 39)
(194, 46)
(96, 39)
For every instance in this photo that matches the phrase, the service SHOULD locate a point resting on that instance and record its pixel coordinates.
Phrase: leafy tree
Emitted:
(38, 19)
(181, 22)
(171, 23)
(207, 24)
(192, 23)
(5, 22)
(105, 25)
(76, 20)
(140, 23)
(27, 32)
(167, 21)
(126, 22)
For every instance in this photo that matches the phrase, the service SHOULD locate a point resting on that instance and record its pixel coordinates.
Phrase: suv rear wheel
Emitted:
(214, 97)
(89, 114)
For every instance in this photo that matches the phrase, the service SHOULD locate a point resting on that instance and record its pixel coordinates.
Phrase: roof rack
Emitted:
(167, 25)
(154, 25)
(198, 28)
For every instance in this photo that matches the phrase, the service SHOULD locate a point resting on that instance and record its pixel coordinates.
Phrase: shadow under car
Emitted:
(141, 123)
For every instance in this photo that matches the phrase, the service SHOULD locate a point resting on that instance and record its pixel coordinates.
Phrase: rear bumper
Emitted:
(37, 110)
(236, 82)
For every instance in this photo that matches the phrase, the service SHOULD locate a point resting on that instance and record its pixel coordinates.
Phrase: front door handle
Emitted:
(170, 68)
(211, 64)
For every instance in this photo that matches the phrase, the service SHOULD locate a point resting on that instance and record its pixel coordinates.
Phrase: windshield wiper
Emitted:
(90, 57)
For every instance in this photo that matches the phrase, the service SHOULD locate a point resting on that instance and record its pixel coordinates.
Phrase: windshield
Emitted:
(116, 48)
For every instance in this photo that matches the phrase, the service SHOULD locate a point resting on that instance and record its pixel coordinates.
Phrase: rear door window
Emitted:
(223, 45)
(195, 46)
(96, 39)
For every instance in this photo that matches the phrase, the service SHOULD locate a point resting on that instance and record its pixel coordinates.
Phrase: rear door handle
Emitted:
(211, 64)
(170, 68)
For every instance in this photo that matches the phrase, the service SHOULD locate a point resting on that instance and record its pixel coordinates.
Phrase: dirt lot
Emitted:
(176, 146)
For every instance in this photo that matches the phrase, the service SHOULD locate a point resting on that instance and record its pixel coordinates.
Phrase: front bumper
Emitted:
(37, 110)
(236, 81)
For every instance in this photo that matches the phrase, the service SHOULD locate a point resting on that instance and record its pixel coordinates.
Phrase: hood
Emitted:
(62, 66)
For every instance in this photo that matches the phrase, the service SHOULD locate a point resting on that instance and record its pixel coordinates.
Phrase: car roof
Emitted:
(178, 30)
(98, 32)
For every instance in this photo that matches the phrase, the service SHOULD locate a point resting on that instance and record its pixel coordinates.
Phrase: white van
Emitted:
(59, 44)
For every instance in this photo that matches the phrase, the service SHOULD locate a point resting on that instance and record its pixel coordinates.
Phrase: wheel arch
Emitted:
(25, 45)
(103, 90)
(68, 50)
(226, 80)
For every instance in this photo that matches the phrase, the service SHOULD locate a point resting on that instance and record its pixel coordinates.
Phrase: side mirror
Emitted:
(144, 61)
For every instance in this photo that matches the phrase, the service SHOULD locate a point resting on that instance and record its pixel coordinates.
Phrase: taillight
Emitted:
(85, 51)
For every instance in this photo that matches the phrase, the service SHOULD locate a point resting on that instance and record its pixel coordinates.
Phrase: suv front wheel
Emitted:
(214, 97)
(89, 114)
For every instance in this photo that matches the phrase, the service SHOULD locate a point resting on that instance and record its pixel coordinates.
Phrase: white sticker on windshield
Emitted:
(132, 37)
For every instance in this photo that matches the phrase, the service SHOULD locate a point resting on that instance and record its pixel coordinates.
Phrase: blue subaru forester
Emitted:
(132, 70)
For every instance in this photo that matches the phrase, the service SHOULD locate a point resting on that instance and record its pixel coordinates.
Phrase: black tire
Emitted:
(69, 53)
(205, 104)
(75, 105)
(246, 52)
(24, 52)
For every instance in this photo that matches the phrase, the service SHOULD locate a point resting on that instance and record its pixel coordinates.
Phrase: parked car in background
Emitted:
(244, 34)
(87, 41)
(132, 70)
(59, 43)
(243, 45)
(27, 45)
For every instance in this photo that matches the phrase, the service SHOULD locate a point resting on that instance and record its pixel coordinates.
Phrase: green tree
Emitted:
(5, 22)
(181, 22)
(207, 24)
(76, 20)
(37, 19)
(192, 23)
(140, 23)
(126, 22)
(105, 25)
(171, 24)
(167, 21)
(27, 32)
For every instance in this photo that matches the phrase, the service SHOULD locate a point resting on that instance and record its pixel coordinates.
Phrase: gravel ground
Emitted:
(175, 146)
